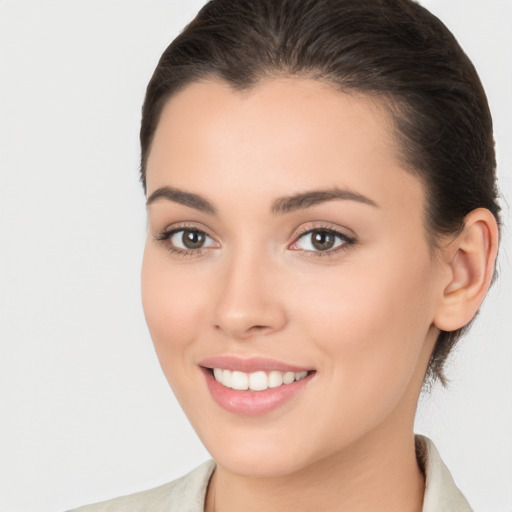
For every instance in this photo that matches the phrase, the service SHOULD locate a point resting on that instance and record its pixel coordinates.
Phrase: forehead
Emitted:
(277, 109)
(292, 133)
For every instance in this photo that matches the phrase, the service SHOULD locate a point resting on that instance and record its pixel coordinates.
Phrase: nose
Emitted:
(249, 303)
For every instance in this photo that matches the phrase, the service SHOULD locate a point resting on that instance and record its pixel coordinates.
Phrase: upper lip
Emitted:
(251, 364)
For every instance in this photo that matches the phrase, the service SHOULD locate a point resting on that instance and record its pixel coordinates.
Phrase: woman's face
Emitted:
(285, 237)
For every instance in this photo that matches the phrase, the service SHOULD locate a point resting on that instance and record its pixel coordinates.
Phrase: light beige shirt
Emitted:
(187, 494)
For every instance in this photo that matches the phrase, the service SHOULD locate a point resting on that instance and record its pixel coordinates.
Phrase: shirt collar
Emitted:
(441, 493)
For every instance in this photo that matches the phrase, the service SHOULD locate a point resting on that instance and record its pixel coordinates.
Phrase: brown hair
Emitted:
(394, 49)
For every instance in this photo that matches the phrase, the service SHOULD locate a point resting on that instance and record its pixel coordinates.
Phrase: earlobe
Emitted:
(469, 260)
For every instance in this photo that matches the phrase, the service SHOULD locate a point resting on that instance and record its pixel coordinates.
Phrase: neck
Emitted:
(375, 473)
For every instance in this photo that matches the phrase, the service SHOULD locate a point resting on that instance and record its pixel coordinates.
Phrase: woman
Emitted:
(323, 226)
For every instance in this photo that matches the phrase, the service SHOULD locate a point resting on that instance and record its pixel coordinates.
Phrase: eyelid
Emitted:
(320, 224)
(184, 225)
(168, 232)
(348, 240)
(340, 232)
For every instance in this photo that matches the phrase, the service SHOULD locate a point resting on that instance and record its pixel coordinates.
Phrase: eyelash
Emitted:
(347, 241)
(165, 236)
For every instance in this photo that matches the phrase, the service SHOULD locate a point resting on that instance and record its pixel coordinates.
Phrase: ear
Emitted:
(469, 262)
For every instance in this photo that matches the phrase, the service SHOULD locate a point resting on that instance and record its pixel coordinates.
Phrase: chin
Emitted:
(265, 450)
(257, 463)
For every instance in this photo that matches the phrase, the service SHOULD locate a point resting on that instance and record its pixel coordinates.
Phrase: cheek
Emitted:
(173, 307)
(372, 320)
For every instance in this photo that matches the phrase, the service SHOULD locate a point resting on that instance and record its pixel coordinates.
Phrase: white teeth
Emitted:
(256, 381)
(240, 380)
(275, 379)
(288, 377)
(227, 379)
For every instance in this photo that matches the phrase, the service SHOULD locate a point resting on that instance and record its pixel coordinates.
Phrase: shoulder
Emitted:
(441, 492)
(187, 494)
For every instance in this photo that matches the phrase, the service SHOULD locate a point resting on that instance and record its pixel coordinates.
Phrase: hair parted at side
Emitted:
(392, 49)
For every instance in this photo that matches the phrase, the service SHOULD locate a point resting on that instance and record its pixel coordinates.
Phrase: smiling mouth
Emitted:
(255, 381)
(254, 386)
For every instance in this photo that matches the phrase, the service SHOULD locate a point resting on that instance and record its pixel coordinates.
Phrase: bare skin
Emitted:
(360, 311)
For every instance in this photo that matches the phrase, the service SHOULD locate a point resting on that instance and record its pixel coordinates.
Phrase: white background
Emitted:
(85, 413)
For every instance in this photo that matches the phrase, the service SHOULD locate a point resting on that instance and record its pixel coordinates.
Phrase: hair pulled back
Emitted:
(392, 49)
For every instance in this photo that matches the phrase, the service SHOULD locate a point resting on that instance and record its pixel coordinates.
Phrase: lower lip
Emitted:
(253, 403)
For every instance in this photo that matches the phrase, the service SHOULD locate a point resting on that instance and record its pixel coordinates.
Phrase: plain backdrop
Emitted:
(85, 413)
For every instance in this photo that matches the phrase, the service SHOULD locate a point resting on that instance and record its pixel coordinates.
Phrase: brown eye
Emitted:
(183, 240)
(321, 240)
(193, 239)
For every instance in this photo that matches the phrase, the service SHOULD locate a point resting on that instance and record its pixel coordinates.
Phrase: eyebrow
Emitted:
(281, 205)
(185, 198)
(314, 197)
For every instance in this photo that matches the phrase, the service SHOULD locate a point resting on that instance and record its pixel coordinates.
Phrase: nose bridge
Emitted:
(247, 302)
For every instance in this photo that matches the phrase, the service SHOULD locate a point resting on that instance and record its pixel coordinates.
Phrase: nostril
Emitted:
(242, 320)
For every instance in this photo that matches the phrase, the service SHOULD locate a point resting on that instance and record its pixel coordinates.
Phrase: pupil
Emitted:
(323, 240)
(193, 239)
